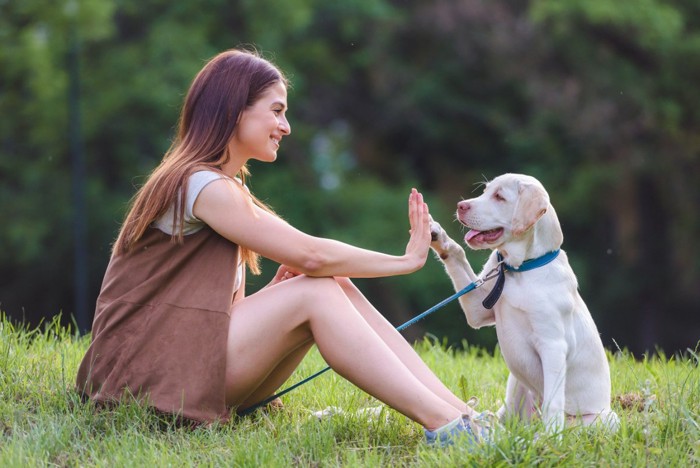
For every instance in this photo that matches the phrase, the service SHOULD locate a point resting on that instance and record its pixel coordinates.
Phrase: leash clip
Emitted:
(490, 275)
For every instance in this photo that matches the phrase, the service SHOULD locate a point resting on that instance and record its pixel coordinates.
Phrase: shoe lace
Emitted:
(483, 423)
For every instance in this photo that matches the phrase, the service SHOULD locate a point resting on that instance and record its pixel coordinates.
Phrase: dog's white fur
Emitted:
(546, 334)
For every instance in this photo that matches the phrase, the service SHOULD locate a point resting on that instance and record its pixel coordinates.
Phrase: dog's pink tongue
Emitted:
(471, 235)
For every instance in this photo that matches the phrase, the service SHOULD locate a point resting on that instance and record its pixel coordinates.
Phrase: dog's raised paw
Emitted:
(441, 243)
(435, 231)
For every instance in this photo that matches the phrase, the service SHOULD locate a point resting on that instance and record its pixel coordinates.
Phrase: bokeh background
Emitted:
(599, 99)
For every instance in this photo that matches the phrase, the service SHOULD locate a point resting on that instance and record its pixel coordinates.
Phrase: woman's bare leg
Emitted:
(278, 376)
(400, 346)
(268, 325)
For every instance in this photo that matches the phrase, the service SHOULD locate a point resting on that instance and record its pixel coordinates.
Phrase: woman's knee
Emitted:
(322, 285)
(318, 290)
(327, 295)
(317, 282)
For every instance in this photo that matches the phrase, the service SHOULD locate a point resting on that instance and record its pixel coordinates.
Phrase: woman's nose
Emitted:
(285, 128)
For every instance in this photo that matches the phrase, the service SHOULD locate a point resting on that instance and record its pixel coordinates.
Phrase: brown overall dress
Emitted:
(161, 326)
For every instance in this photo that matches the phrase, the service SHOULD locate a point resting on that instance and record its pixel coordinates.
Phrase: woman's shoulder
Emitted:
(206, 174)
(201, 176)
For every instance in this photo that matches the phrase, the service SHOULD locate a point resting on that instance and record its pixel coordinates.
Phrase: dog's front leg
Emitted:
(553, 358)
(452, 256)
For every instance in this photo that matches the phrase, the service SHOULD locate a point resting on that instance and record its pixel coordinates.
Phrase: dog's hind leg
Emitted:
(520, 401)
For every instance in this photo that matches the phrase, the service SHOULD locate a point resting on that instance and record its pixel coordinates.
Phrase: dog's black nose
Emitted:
(433, 236)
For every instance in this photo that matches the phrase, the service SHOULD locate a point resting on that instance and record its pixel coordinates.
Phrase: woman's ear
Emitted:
(531, 205)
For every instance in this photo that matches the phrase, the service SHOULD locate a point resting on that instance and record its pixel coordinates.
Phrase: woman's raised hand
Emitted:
(419, 219)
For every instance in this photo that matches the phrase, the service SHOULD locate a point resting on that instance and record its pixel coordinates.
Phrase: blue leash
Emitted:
(470, 287)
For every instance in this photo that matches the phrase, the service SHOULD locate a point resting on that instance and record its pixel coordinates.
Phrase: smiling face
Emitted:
(486, 216)
(510, 205)
(261, 126)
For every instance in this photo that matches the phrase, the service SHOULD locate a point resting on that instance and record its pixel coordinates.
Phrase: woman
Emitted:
(173, 325)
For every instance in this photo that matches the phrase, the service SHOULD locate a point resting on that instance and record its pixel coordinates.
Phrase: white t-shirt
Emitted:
(192, 224)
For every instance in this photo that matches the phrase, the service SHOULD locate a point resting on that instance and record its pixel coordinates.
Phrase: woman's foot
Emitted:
(449, 433)
(476, 430)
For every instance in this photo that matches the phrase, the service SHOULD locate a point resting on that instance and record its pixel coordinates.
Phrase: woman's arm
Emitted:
(228, 210)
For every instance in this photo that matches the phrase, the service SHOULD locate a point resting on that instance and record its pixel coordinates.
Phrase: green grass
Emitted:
(43, 423)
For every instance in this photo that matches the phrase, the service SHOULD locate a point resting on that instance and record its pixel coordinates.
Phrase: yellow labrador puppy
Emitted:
(558, 367)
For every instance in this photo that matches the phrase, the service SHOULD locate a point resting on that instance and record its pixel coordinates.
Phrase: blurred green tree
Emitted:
(597, 99)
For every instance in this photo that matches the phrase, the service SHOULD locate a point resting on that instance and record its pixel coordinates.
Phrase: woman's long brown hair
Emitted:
(228, 83)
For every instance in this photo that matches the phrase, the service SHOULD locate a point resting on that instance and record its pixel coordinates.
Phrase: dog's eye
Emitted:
(499, 197)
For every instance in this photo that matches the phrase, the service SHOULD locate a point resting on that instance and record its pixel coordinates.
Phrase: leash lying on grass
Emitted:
(470, 287)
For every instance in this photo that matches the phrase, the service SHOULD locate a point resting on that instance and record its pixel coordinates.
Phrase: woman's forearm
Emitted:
(327, 257)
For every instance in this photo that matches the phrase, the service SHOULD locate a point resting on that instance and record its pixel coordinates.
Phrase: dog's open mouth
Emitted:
(479, 237)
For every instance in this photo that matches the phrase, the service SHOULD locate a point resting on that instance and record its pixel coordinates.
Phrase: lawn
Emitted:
(43, 423)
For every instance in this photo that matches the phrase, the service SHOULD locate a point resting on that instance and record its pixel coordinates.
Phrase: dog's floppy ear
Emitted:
(531, 206)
